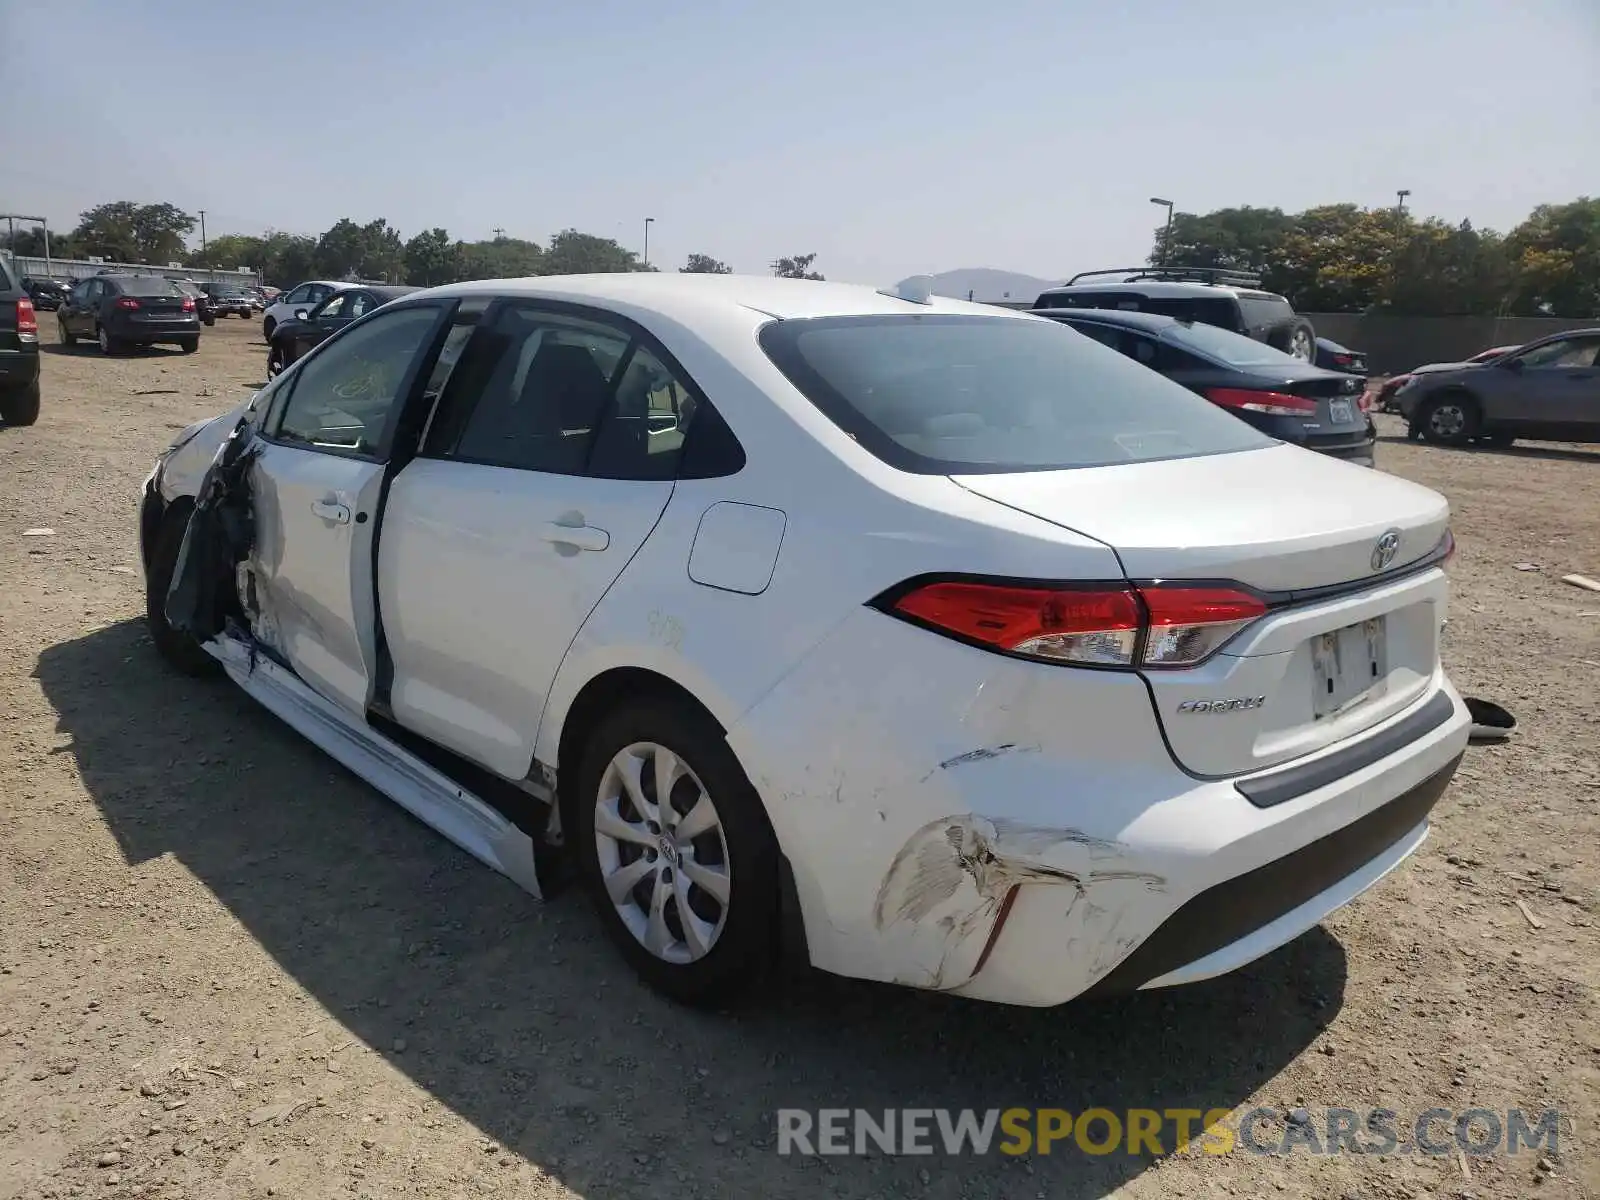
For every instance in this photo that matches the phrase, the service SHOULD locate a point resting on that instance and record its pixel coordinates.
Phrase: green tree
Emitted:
(370, 251)
(1555, 256)
(574, 253)
(704, 264)
(232, 250)
(1238, 239)
(432, 258)
(501, 258)
(127, 232)
(797, 267)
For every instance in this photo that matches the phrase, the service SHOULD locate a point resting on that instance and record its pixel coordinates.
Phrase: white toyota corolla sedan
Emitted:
(928, 642)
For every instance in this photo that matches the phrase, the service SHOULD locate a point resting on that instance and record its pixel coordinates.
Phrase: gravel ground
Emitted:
(229, 969)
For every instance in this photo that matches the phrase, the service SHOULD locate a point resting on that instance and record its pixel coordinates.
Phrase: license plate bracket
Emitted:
(1349, 666)
(1340, 412)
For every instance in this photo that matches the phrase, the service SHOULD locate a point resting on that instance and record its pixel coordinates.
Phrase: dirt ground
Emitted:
(229, 969)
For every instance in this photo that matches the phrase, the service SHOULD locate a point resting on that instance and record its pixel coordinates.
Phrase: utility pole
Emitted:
(1400, 209)
(648, 221)
(203, 242)
(498, 233)
(1166, 238)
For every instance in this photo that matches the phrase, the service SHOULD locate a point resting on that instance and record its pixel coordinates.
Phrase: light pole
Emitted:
(648, 221)
(1166, 238)
(1401, 194)
(203, 242)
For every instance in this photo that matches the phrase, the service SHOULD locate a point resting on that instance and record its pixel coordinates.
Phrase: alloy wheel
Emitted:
(1447, 420)
(663, 853)
(1301, 346)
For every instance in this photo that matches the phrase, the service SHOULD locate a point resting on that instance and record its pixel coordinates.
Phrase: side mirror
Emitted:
(1510, 364)
(299, 314)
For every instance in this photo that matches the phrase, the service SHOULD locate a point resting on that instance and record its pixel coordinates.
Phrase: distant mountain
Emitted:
(987, 284)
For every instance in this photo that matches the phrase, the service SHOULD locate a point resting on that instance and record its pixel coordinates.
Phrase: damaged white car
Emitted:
(926, 642)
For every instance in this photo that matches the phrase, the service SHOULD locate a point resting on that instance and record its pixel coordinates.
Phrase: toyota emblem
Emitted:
(1384, 549)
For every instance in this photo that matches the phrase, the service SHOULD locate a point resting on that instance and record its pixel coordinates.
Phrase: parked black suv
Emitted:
(228, 300)
(1230, 300)
(120, 311)
(202, 302)
(46, 294)
(19, 351)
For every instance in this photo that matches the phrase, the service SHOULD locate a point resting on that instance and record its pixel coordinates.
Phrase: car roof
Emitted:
(678, 295)
(1152, 323)
(388, 291)
(1161, 287)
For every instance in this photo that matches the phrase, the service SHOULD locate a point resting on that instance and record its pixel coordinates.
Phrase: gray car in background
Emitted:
(1547, 389)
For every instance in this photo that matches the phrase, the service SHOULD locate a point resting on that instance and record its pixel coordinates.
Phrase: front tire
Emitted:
(1449, 420)
(277, 362)
(676, 852)
(179, 649)
(1300, 341)
(20, 407)
(267, 327)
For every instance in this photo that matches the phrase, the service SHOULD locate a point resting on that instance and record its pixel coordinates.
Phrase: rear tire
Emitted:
(179, 649)
(108, 344)
(189, 345)
(277, 361)
(20, 407)
(724, 947)
(1300, 341)
(1449, 420)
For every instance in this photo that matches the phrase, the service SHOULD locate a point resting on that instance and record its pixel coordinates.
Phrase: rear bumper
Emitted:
(130, 330)
(19, 368)
(1014, 832)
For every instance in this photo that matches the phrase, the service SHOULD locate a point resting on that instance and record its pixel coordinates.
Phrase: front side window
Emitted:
(300, 295)
(342, 397)
(1565, 353)
(945, 394)
(318, 291)
(361, 303)
(1208, 310)
(333, 308)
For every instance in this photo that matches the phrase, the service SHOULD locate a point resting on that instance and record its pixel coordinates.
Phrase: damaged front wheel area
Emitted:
(178, 648)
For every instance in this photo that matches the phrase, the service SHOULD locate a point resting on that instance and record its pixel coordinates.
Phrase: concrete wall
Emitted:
(70, 268)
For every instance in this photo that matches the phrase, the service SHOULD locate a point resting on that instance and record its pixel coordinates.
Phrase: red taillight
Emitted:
(1188, 624)
(27, 319)
(1275, 404)
(127, 302)
(1153, 625)
(188, 304)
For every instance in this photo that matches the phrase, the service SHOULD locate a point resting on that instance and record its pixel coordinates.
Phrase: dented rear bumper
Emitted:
(1015, 832)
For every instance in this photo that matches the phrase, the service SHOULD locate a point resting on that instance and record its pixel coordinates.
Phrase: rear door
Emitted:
(317, 488)
(1555, 393)
(549, 461)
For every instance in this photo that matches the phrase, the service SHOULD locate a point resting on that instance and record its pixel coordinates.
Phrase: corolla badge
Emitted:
(1384, 549)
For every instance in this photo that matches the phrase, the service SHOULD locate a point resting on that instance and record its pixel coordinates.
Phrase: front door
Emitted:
(317, 487)
(550, 459)
(1550, 390)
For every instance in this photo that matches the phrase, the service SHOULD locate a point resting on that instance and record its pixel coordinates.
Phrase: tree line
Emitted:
(1344, 258)
(125, 232)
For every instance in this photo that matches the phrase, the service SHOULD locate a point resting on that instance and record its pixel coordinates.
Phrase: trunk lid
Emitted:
(1318, 668)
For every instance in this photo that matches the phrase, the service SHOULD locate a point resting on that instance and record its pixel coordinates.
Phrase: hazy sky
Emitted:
(888, 137)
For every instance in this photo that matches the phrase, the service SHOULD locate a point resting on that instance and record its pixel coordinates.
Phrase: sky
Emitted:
(888, 137)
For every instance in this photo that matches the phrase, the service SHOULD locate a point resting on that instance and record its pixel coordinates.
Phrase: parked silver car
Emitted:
(1547, 389)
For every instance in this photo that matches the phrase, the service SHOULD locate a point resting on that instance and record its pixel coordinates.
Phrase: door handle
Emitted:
(331, 510)
(579, 537)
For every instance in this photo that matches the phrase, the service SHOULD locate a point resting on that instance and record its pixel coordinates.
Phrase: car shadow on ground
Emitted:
(86, 348)
(1534, 450)
(519, 1017)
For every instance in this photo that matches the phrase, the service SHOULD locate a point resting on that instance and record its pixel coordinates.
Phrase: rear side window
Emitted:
(1259, 311)
(1205, 310)
(945, 394)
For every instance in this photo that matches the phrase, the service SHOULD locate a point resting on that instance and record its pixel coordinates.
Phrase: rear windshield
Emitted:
(147, 285)
(1232, 348)
(945, 394)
